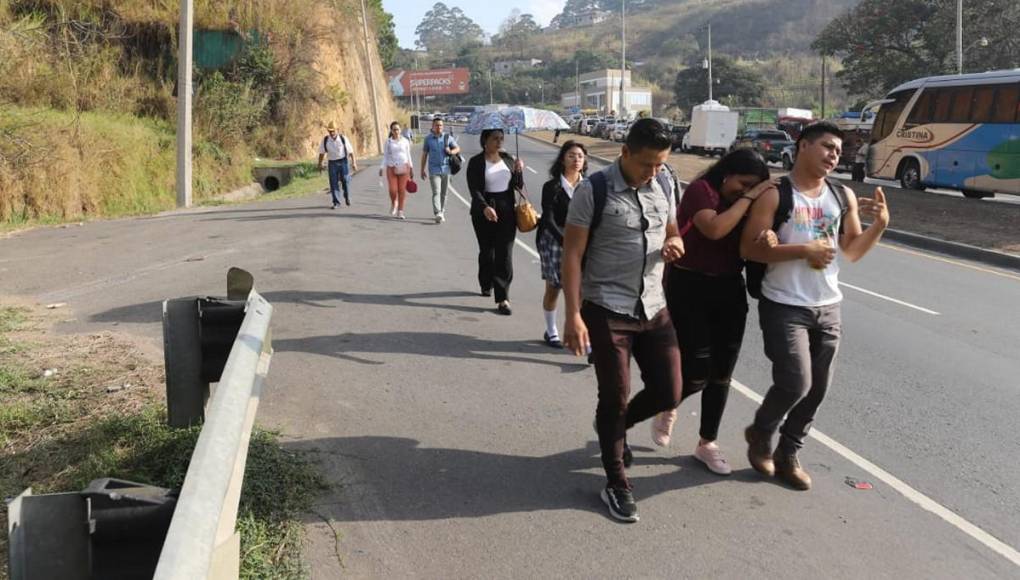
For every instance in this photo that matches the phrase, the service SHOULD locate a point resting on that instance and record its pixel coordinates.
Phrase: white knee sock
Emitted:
(550, 323)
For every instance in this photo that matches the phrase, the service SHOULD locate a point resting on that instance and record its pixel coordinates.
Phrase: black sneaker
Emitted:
(621, 504)
(347, 200)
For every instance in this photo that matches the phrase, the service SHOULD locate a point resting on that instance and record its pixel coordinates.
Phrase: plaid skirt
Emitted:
(550, 252)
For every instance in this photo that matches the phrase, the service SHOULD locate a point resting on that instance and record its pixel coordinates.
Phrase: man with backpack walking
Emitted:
(797, 286)
(622, 226)
(441, 155)
(337, 149)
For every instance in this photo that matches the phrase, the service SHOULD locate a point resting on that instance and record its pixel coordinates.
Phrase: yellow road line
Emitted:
(953, 262)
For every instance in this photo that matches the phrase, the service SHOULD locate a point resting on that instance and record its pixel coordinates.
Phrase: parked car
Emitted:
(677, 133)
(767, 142)
(586, 126)
(619, 131)
(788, 155)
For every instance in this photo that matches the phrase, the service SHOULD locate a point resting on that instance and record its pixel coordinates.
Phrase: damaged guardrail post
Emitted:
(116, 529)
(198, 333)
(202, 541)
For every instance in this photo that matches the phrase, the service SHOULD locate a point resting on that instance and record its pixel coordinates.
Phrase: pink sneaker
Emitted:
(712, 457)
(662, 427)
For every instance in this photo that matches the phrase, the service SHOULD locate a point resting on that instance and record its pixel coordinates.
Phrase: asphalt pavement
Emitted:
(460, 446)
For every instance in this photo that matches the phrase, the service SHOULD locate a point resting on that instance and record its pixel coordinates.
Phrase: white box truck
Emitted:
(713, 129)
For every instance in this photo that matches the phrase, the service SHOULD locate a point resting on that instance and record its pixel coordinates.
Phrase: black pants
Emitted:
(496, 244)
(652, 343)
(802, 344)
(709, 314)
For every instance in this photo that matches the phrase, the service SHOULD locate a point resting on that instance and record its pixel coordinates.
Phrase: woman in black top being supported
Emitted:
(705, 291)
(492, 178)
(567, 171)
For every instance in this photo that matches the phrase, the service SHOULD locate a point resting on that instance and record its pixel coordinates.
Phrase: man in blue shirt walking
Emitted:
(435, 155)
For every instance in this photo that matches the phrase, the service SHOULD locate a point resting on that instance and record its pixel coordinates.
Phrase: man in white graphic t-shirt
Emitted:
(799, 308)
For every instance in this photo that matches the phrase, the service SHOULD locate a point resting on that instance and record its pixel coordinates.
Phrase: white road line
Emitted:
(526, 247)
(925, 502)
(531, 170)
(883, 297)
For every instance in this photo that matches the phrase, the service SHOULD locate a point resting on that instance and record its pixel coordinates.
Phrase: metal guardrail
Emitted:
(202, 541)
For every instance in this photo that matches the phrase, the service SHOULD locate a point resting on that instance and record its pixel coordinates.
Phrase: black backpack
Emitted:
(343, 141)
(754, 272)
(456, 160)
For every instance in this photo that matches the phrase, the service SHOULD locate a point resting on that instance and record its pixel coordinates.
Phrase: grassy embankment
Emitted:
(77, 408)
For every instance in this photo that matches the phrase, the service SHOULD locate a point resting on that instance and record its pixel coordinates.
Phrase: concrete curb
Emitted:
(954, 249)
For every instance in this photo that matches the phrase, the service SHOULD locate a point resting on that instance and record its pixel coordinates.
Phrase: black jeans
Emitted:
(614, 338)
(709, 314)
(802, 344)
(496, 244)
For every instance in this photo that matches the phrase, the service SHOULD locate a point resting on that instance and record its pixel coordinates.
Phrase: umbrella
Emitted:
(515, 120)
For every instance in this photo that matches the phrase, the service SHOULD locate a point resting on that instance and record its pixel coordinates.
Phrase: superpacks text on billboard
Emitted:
(446, 81)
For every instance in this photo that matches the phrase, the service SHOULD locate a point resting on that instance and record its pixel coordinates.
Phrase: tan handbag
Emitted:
(527, 217)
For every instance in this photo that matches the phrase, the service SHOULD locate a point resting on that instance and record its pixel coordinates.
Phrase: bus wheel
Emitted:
(910, 175)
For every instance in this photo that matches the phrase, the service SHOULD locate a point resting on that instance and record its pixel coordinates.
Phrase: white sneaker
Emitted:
(442, 217)
(393, 209)
(712, 457)
(400, 215)
(662, 427)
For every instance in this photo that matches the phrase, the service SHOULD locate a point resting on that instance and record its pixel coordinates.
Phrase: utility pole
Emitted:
(710, 61)
(371, 80)
(577, 83)
(823, 86)
(623, 59)
(959, 37)
(184, 95)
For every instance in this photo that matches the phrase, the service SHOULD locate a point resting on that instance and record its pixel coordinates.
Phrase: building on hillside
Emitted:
(600, 90)
(505, 68)
(588, 17)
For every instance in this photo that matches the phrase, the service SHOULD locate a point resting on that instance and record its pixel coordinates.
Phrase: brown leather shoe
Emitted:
(759, 451)
(789, 470)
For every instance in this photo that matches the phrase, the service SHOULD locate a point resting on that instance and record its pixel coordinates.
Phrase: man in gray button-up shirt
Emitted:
(624, 310)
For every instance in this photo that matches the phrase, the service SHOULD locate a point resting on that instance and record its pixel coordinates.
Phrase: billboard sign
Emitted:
(445, 81)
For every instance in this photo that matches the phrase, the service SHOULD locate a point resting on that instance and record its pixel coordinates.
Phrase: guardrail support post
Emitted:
(186, 391)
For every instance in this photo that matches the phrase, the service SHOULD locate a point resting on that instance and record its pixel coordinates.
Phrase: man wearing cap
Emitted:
(338, 150)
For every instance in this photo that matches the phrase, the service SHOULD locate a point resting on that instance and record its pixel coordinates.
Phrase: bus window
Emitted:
(1007, 107)
(889, 115)
(921, 113)
(960, 111)
(943, 98)
(981, 108)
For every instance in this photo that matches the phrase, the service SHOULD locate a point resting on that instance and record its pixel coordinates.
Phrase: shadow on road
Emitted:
(348, 346)
(149, 312)
(395, 479)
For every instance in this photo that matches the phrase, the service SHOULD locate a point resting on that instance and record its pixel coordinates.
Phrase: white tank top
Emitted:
(794, 282)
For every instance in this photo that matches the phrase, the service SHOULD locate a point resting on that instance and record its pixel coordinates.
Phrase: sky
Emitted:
(407, 14)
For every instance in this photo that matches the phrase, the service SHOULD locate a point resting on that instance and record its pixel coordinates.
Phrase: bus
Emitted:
(959, 132)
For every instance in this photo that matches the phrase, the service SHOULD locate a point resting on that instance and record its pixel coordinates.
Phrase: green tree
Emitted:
(445, 29)
(883, 43)
(385, 33)
(737, 85)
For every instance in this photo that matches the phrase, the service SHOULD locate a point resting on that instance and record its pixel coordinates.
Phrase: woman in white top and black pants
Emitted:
(398, 168)
(492, 178)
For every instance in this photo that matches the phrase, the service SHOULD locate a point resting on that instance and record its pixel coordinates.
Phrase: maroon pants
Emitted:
(614, 338)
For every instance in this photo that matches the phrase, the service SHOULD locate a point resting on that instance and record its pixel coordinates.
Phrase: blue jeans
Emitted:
(338, 174)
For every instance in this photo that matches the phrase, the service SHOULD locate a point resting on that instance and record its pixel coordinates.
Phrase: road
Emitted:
(459, 446)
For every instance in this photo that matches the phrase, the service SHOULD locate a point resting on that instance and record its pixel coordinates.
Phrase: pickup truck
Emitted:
(769, 143)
